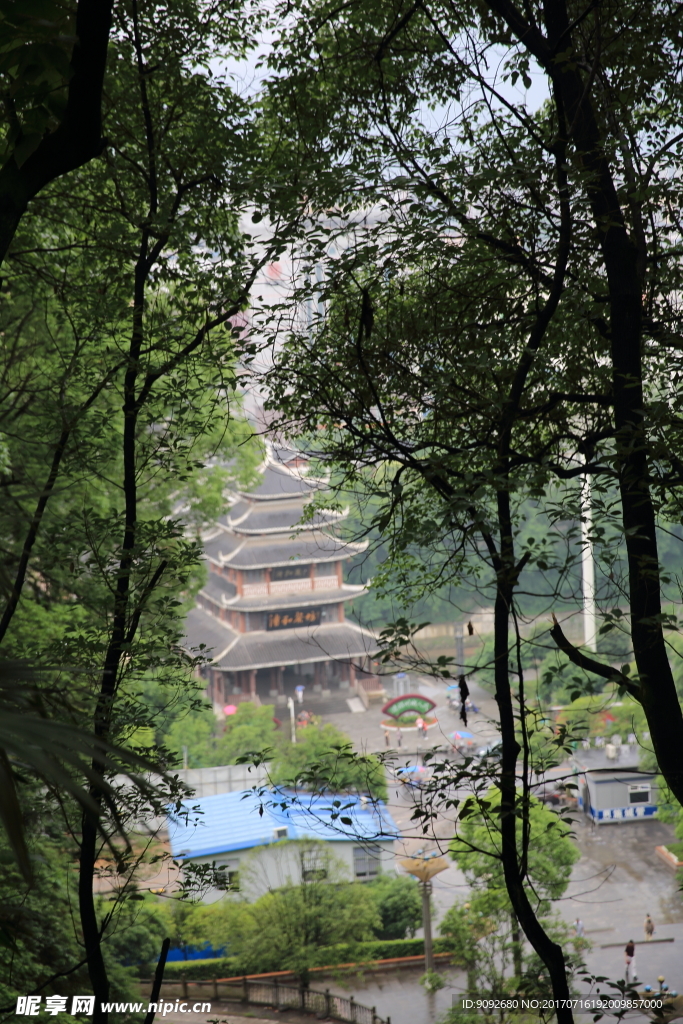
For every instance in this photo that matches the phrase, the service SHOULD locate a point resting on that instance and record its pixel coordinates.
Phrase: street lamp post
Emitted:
(427, 924)
(292, 719)
(424, 868)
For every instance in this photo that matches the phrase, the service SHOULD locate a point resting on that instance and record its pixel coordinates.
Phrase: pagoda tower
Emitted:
(272, 609)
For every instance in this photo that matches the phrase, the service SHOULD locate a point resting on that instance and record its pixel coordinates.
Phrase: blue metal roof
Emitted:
(229, 822)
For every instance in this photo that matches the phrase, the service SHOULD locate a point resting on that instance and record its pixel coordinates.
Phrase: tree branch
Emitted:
(591, 665)
(78, 138)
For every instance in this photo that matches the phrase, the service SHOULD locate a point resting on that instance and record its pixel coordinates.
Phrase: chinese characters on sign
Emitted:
(290, 620)
(29, 1006)
(626, 812)
(410, 704)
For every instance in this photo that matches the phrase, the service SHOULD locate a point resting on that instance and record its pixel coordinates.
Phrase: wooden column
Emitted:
(252, 682)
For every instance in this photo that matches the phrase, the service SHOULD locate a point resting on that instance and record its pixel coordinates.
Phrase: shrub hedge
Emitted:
(324, 956)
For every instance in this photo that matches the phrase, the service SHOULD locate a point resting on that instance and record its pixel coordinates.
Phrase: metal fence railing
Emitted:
(271, 993)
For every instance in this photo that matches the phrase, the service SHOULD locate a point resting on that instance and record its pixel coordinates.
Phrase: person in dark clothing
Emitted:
(630, 958)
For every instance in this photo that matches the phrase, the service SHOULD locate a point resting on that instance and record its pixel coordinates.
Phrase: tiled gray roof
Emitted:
(262, 552)
(279, 482)
(236, 651)
(202, 628)
(225, 544)
(333, 641)
(273, 517)
(217, 587)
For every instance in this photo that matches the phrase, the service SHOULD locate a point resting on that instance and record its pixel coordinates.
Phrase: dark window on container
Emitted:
(639, 794)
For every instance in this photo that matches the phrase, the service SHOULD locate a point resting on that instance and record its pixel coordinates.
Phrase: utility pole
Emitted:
(424, 867)
(590, 628)
(459, 648)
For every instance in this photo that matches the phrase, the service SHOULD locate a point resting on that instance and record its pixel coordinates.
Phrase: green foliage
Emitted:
(604, 716)
(38, 938)
(135, 938)
(325, 956)
(323, 758)
(547, 847)
(432, 981)
(35, 72)
(285, 927)
(120, 426)
(211, 743)
(485, 940)
(399, 903)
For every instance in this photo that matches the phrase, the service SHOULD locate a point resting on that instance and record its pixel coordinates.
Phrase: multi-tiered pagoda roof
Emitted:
(272, 609)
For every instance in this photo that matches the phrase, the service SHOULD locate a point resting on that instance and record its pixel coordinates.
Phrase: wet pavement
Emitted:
(619, 880)
(400, 996)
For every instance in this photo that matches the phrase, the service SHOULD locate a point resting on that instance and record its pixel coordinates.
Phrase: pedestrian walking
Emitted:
(299, 690)
(399, 738)
(387, 738)
(649, 928)
(630, 975)
(419, 724)
(578, 928)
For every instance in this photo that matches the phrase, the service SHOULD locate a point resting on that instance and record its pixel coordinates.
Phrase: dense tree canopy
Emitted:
(492, 313)
(483, 322)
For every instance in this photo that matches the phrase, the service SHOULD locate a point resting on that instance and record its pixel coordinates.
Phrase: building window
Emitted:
(290, 572)
(639, 793)
(312, 868)
(366, 861)
(254, 575)
(280, 832)
(326, 569)
(227, 879)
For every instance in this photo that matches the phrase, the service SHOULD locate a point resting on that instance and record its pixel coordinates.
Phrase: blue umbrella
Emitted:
(461, 736)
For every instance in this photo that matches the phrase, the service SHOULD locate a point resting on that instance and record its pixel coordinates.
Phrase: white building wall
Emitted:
(265, 868)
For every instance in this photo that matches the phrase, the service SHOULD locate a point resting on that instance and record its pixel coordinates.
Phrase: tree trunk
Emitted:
(659, 697)
(516, 946)
(550, 953)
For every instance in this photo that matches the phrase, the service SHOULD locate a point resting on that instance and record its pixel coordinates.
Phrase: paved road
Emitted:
(368, 735)
(615, 883)
(619, 880)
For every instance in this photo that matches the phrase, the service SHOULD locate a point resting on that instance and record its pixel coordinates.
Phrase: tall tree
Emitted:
(558, 223)
(54, 60)
(126, 284)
